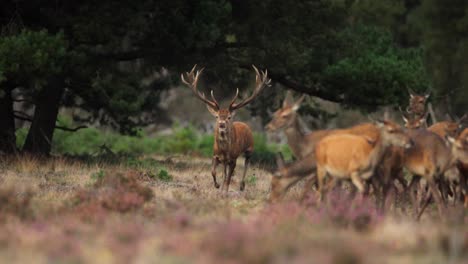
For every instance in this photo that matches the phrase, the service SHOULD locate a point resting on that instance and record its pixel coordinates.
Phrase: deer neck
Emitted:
(296, 137)
(378, 151)
(224, 139)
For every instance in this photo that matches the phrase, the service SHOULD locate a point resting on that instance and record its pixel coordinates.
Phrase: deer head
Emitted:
(224, 115)
(417, 103)
(416, 122)
(460, 145)
(286, 115)
(393, 134)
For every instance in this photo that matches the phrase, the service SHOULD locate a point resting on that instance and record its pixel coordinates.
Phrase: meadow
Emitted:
(111, 206)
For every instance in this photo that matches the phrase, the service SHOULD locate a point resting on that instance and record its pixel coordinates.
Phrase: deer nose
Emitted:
(222, 125)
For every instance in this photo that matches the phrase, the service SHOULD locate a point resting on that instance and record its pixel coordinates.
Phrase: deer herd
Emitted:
(425, 163)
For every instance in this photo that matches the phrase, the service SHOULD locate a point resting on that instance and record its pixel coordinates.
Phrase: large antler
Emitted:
(192, 80)
(261, 80)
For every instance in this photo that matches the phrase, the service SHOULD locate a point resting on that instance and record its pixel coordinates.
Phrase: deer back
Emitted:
(445, 128)
(342, 154)
(429, 155)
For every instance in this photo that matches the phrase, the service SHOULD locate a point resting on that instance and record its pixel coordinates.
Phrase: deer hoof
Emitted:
(242, 186)
(216, 185)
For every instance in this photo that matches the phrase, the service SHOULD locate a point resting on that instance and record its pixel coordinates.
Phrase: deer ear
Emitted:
(427, 95)
(233, 113)
(297, 104)
(212, 111)
(405, 119)
(288, 100)
(451, 140)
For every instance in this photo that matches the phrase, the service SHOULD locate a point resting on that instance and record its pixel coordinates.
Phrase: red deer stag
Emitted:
(355, 157)
(231, 138)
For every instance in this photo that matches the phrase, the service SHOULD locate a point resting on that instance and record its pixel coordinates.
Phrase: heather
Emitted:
(72, 211)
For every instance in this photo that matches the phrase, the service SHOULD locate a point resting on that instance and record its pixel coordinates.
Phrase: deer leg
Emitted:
(308, 187)
(357, 181)
(246, 165)
(437, 197)
(412, 192)
(362, 188)
(224, 176)
(321, 173)
(214, 165)
(443, 188)
(426, 202)
(463, 190)
(232, 166)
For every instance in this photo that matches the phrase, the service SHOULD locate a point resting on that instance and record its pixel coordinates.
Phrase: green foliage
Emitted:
(375, 69)
(184, 140)
(149, 167)
(251, 180)
(163, 175)
(32, 56)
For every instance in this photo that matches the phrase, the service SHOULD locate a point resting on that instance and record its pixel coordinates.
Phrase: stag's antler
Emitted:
(261, 80)
(192, 80)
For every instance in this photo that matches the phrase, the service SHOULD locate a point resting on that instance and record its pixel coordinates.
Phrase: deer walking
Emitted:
(231, 139)
(432, 159)
(302, 146)
(356, 157)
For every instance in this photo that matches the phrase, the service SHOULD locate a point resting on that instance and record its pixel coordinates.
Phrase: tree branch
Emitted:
(22, 100)
(316, 90)
(27, 118)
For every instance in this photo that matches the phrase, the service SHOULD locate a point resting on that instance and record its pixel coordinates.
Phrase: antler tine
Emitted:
(261, 80)
(214, 99)
(235, 98)
(191, 82)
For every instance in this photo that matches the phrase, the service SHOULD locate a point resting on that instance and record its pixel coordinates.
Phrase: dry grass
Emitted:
(65, 211)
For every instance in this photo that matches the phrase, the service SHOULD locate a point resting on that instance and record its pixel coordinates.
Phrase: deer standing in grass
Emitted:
(356, 157)
(231, 139)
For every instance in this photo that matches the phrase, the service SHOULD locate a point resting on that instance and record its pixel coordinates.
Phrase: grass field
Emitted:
(165, 210)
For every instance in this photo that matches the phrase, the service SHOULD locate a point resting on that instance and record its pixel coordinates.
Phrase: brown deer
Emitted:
(463, 166)
(417, 104)
(448, 128)
(302, 145)
(431, 159)
(356, 157)
(231, 139)
(442, 129)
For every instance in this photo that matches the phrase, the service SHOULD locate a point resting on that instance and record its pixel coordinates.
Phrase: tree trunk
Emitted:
(39, 139)
(7, 121)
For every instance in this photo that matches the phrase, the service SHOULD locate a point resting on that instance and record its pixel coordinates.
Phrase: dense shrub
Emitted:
(184, 140)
